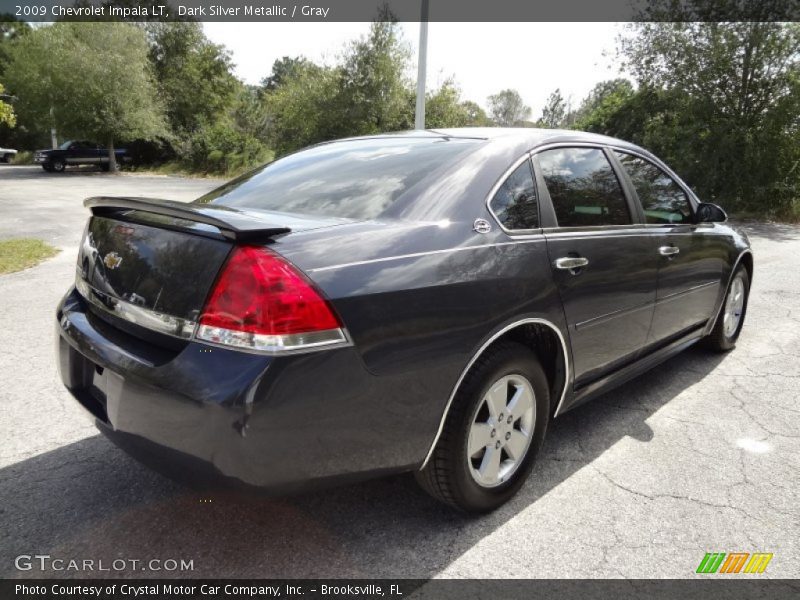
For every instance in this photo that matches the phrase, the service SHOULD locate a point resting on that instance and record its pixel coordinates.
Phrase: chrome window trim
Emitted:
(596, 146)
(488, 202)
(477, 355)
(693, 199)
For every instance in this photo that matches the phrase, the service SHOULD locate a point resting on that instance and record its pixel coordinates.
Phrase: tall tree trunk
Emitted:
(112, 157)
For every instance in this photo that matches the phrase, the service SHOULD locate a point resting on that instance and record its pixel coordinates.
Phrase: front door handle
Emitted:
(668, 250)
(570, 263)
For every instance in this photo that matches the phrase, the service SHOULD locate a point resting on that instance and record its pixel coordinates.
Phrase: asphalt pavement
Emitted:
(701, 455)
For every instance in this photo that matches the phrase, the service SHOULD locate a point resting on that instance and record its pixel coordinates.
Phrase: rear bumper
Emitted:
(214, 416)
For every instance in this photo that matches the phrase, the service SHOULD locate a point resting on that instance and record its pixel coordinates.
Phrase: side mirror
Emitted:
(710, 213)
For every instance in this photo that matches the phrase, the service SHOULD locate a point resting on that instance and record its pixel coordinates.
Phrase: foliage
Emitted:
(367, 92)
(7, 115)
(22, 253)
(23, 158)
(507, 109)
(11, 29)
(284, 69)
(554, 113)
(193, 75)
(721, 103)
(58, 76)
(443, 108)
(220, 147)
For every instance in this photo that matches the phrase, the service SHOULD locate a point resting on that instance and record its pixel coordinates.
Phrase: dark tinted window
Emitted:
(583, 187)
(355, 179)
(514, 203)
(662, 198)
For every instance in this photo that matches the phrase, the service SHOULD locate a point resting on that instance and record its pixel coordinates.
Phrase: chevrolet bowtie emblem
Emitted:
(112, 260)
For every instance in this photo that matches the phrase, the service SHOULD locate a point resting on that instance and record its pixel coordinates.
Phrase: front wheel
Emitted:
(7, 158)
(495, 428)
(58, 166)
(731, 317)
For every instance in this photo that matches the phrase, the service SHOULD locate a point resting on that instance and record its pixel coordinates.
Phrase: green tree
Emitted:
(726, 104)
(367, 92)
(283, 69)
(373, 80)
(7, 116)
(554, 112)
(443, 107)
(600, 96)
(11, 29)
(476, 116)
(56, 73)
(507, 108)
(193, 75)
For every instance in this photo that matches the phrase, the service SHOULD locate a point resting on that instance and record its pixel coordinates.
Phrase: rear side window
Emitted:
(583, 187)
(663, 200)
(514, 204)
(355, 179)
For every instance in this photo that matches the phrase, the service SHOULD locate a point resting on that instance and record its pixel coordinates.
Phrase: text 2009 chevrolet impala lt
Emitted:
(424, 301)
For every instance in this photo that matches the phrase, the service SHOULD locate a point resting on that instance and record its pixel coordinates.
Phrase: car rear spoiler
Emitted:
(232, 223)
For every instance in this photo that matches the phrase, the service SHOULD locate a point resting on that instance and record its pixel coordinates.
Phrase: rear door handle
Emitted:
(570, 263)
(668, 250)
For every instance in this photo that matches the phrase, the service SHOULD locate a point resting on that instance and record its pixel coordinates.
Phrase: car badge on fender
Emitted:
(481, 226)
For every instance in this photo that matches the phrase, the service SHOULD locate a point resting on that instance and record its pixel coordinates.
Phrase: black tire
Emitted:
(718, 340)
(58, 166)
(7, 158)
(447, 476)
(48, 167)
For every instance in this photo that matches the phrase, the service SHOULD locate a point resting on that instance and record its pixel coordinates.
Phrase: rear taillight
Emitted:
(261, 302)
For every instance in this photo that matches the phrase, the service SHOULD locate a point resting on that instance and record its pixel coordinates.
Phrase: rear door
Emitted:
(601, 256)
(691, 258)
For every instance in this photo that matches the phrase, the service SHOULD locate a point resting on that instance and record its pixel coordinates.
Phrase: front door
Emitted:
(601, 257)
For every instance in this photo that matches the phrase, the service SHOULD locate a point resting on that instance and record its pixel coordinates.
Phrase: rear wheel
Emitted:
(731, 317)
(494, 429)
(7, 158)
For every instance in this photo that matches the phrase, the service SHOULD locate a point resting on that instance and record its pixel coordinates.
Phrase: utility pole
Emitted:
(419, 115)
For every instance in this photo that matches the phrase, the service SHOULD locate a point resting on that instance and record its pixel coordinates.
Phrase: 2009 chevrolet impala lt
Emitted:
(424, 301)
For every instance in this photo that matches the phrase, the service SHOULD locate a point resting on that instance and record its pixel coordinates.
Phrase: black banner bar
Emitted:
(403, 10)
(712, 587)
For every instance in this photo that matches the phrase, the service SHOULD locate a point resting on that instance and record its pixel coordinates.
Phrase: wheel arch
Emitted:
(744, 259)
(544, 338)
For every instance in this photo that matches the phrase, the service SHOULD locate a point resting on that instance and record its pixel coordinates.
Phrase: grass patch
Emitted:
(22, 253)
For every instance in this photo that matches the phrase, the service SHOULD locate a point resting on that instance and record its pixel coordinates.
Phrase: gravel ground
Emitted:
(702, 455)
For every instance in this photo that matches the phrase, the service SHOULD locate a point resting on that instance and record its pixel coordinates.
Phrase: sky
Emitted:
(484, 58)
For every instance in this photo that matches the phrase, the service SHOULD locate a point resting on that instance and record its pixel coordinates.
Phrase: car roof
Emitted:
(527, 137)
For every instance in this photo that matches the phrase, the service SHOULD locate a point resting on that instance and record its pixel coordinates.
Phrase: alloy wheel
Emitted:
(501, 431)
(734, 305)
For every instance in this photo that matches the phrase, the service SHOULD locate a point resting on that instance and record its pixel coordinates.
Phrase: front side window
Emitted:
(514, 204)
(583, 187)
(663, 200)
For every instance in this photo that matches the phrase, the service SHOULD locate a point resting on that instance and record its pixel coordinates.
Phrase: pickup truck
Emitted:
(7, 154)
(76, 153)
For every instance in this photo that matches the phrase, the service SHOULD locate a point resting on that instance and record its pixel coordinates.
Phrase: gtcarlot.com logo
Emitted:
(734, 562)
(45, 562)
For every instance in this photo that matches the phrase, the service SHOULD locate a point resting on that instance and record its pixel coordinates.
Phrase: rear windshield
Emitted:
(355, 179)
